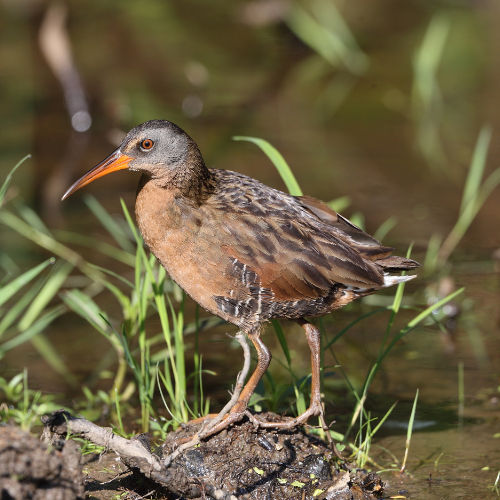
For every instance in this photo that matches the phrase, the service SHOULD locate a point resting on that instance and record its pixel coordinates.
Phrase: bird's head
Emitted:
(159, 149)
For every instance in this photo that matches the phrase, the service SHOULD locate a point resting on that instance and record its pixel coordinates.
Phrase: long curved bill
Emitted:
(115, 161)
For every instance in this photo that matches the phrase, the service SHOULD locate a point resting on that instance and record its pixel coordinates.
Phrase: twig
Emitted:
(132, 451)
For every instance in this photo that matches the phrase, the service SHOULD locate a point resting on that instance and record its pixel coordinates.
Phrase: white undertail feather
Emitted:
(390, 280)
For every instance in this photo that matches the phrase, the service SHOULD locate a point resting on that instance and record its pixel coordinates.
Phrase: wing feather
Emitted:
(298, 247)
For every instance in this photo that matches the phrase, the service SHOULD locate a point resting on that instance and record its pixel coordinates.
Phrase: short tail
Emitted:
(393, 263)
(390, 280)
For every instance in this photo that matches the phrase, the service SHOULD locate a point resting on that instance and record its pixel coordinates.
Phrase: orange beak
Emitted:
(115, 161)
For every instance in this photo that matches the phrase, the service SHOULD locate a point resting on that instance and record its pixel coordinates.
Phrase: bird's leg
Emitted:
(213, 419)
(315, 406)
(239, 407)
(242, 375)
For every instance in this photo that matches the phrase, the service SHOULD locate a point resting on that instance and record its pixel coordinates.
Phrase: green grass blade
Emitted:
(123, 300)
(429, 310)
(426, 94)
(409, 431)
(383, 419)
(339, 204)
(432, 253)
(128, 354)
(398, 296)
(9, 267)
(282, 340)
(16, 309)
(141, 253)
(180, 367)
(466, 217)
(414, 322)
(34, 329)
(313, 34)
(279, 162)
(326, 32)
(32, 218)
(49, 243)
(476, 170)
(114, 229)
(428, 57)
(118, 412)
(59, 273)
(117, 276)
(402, 333)
(130, 223)
(101, 246)
(300, 400)
(6, 182)
(85, 307)
(7, 291)
(385, 227)
(351, 324)
(52, 357)
(474, 195)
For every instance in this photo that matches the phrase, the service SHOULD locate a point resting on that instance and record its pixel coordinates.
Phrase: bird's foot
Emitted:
(235, 408)
(214, 426)
(316, 409)
(186, 445)
(290, 422)
(211, 425)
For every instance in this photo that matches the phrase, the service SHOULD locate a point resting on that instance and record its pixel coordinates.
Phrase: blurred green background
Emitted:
(347, 94)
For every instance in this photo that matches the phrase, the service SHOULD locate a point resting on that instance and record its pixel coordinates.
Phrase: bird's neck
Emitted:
(191, 179)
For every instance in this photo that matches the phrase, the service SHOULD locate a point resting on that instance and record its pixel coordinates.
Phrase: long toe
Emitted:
(214, 427)
(290, 423)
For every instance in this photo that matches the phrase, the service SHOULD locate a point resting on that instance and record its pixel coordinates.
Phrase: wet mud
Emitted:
(242, 462)
(250, 463)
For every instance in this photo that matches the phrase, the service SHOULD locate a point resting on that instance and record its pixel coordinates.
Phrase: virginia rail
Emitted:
(245, 251)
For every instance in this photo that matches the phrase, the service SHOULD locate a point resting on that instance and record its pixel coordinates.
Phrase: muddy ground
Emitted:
(242, 462)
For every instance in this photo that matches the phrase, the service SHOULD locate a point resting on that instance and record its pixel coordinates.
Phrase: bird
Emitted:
(245, 251)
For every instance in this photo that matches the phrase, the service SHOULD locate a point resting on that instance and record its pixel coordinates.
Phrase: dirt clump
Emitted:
(29, 469)
(247, 463)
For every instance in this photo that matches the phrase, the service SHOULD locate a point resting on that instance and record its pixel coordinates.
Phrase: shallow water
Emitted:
(164, 61)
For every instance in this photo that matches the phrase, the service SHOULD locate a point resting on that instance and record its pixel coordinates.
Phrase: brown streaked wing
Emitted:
(344, 229)
(296, 260)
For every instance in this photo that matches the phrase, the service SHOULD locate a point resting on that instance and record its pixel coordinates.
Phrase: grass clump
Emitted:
(22, 405)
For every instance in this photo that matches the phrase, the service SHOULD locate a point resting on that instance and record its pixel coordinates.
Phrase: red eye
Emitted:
(147, 144)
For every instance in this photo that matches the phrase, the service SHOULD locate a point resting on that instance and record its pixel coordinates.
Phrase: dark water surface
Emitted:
(227, 70)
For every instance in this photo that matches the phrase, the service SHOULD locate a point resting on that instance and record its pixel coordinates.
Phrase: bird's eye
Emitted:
(147, 144)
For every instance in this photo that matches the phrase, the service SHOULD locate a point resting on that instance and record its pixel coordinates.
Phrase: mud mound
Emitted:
(31, 470)
(248, 463)
(243, 462)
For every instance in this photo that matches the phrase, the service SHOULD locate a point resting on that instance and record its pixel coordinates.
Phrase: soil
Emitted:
(29, 469)
(241, 462)
(245, 462)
